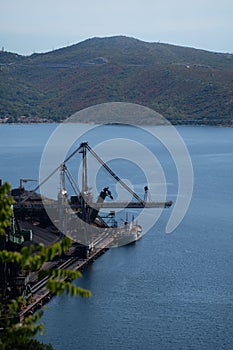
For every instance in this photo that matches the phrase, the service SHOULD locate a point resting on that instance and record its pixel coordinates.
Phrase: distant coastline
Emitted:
(24, 120)
(47, 121)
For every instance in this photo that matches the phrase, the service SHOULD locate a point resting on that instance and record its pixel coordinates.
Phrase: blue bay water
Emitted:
(167, 291)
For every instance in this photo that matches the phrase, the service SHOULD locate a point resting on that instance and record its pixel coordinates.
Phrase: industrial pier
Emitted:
(41, 295)
(38, 219)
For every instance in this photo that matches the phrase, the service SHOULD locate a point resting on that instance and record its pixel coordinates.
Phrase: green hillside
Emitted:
(185, 85)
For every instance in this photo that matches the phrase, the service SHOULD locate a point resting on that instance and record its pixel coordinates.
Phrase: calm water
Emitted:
(167, 291)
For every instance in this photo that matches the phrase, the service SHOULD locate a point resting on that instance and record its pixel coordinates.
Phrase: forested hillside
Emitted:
(185, 85)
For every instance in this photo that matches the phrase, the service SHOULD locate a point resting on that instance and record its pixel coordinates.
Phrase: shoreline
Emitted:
(124, 124)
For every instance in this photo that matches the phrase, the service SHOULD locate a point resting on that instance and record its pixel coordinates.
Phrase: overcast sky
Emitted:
(27, 26)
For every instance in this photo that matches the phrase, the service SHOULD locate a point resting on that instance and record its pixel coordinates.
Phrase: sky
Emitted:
(28, 26)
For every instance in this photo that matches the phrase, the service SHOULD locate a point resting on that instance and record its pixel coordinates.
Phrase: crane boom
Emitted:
(123, 184)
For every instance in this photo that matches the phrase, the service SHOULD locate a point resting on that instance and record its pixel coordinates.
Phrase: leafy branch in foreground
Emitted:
(15, 334)
(58, 287)
(5, 207)
(32, 259)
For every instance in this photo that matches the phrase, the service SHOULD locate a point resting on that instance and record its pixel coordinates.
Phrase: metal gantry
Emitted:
(84, 198)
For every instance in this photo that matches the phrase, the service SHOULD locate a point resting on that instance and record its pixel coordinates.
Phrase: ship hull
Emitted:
(128, 236)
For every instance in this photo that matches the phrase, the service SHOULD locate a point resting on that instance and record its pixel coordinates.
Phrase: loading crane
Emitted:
(83, 202)
(139, 203)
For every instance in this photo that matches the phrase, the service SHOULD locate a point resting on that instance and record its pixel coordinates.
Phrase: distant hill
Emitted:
(186, 85)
